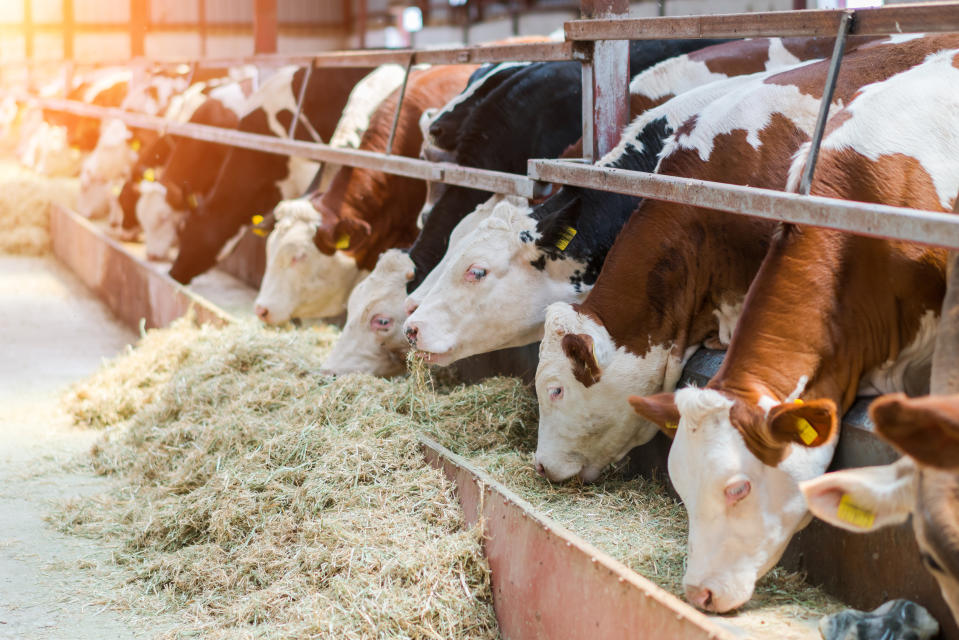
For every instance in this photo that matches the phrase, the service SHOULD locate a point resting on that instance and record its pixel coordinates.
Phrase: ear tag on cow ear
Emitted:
(806, 431)
(135, 144)
(115, 190)
(852, 513)
(150, 174)
(672, 426)
(192, 201)
(257, 219)
(343, 242)
(567, 236)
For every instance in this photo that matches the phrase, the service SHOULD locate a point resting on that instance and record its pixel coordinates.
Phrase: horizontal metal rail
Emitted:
(937, 17)
(495, 181)
(926, 227)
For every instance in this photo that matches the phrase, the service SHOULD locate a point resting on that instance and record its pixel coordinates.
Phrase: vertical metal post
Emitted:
(606, 78)
(845, 23)
(66, 10)
(264, 26)
(399, 107)
(28, 40)
(346, 7)
(945, 359)
(138, 27)
(799, 5)
(660, 8)
(361, 25)
(201, 25)
(299, 102)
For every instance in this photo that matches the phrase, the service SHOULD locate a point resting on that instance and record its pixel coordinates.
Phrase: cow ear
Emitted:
(863, 499)
(810, 424)
(659, 409)
(578, 348)
(925, 428)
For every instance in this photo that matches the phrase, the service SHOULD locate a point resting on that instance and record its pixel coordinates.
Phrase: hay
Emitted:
(25, 200)
(263, 500)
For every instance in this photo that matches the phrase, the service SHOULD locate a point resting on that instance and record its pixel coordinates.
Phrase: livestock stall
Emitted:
(601, 596)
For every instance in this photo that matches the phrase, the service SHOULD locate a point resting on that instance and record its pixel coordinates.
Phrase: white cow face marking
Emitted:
(160, 222)
(742, 512)
(486, 295)
(300, 281)
(583, 382)
(372, 340)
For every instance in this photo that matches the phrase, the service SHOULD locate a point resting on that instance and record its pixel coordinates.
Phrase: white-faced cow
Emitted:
(252, 182)
(363, 213)
(828, 314)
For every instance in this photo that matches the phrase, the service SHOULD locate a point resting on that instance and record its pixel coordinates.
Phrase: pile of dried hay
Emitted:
(25, 200)
(261, 494)
(261, 499)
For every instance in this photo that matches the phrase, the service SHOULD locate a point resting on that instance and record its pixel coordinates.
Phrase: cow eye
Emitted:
(381, 323)
(555, 393)
(475, 274)
(931, 563)
(737, 491)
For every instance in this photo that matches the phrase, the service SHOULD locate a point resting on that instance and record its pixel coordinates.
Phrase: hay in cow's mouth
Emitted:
(260, 498)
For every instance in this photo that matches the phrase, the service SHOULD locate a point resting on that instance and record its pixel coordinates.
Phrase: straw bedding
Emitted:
(259, 499)
(25, 200)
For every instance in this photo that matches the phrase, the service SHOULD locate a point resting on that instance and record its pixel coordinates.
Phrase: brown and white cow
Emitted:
(828, 314)
(364, 212)
(923, 483)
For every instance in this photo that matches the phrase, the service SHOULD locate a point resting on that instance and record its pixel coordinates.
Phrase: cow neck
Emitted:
(829, 307)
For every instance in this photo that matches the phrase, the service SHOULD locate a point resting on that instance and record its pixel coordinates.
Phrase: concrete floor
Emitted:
(54, 333)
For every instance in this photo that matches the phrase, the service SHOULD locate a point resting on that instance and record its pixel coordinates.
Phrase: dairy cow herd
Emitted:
(618, 291)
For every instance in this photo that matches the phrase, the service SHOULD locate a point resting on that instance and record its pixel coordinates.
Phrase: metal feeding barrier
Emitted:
(929, 227)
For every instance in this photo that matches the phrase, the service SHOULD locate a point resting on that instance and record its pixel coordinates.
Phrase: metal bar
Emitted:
(495, 181)
(840, 47)
(28, 29)
(399, 107)
(68, 26)
(942, 17)
(201, 25)
(945, 357)
(589, 133)
(299, 103)
(607, 80)
(138, 26)
(536, 563)
(926, 227)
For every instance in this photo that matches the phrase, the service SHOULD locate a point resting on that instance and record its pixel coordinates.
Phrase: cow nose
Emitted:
(540, 469)
(411, 306)
(261, 312)
(438, 130)
(701, 597)
(411, 332)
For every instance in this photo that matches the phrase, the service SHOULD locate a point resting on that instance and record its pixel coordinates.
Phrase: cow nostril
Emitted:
(261, 312)
(540, 469)
(411, 307)
(411, 335)
(436, 130)
(701, 597)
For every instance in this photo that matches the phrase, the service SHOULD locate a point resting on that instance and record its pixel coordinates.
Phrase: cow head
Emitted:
(372, 340)
(737, 469)
(923, 483)
(582, 383)
(491, 291)
(300, 281)
(160, 222)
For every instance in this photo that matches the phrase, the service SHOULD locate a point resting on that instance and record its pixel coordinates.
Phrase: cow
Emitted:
(108, 165)
(827, 315)
(162, 197)
(533, 112)
(923, 484)
(545, 266)
(372, 340)
(252, 182)
(364, 212)
(594, 355)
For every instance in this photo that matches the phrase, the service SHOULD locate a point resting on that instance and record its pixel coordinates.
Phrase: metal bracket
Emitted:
(845, 26)
(399, 107)
(299, 102)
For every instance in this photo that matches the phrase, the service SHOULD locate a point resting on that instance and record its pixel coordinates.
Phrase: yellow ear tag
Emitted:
(568, 234)
(672, 426)
(150, 175)
(854, 514)
(257, 219)
(343, 242)
(116, 190)
(135, 144)
(192, 201)
(260, 232)
(806, 432)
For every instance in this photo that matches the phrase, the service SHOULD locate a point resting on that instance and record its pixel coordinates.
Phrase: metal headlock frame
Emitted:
(928, 227)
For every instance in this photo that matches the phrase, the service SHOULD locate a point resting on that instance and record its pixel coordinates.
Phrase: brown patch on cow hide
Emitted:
(578, 348)
(734, 59)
